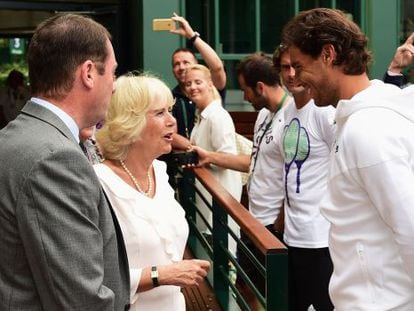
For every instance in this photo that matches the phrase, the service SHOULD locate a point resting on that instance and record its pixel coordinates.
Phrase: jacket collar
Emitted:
(378, 94)
(45, 115)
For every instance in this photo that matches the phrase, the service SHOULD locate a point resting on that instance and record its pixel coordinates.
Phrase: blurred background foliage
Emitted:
(9, 62)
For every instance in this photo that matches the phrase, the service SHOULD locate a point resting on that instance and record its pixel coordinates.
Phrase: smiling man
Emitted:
(182, 58)
(369, 201)
(184, 109)
(307, 138)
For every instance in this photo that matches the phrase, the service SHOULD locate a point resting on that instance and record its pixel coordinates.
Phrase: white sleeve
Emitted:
(223, 134)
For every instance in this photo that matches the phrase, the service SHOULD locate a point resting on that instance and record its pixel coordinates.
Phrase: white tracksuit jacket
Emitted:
(370, 201)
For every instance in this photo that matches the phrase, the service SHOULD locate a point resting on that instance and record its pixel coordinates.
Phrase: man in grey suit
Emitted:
(61, 245)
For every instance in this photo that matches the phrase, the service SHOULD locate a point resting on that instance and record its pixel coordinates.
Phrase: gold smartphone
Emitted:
(163, 24)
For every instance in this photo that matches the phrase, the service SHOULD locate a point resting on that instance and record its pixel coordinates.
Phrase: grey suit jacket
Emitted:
(60, 246)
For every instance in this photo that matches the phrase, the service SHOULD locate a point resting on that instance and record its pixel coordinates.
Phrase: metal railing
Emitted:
(224, 206)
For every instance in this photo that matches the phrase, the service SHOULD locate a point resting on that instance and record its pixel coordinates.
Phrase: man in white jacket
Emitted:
(369, 201)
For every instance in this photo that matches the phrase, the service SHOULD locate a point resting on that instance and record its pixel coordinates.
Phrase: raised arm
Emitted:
(210, 56)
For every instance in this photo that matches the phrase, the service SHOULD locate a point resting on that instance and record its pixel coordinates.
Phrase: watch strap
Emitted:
(193, 38)
(154, 276)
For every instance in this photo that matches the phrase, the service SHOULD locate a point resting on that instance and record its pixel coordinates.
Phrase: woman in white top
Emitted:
(139, 129)
(213, 131)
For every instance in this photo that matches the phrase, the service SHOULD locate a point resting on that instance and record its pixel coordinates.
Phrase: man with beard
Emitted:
(306, 142)
(369, 200)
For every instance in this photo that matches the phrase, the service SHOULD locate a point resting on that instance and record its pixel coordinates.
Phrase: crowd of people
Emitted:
(88, 215)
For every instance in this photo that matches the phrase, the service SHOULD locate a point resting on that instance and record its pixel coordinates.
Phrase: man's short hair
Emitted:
(59, 45)
(185, 50)
(310, 30)
(258, 67)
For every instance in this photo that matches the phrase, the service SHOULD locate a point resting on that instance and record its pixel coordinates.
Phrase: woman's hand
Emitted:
(184, 273)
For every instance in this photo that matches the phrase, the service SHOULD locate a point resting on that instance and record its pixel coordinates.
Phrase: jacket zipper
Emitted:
(363, 264)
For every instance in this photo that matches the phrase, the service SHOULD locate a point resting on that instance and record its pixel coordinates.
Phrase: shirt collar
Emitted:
(210, 108)
(67, 119)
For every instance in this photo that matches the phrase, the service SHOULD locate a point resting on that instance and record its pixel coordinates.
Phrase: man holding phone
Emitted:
(184, 109)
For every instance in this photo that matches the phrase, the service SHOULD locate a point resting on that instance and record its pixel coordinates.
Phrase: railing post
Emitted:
(276, 254)
(220, 266)
(276, 281)
(186, 197)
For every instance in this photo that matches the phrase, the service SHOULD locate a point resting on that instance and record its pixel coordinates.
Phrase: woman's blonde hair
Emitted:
(207, 75)
(126, 115)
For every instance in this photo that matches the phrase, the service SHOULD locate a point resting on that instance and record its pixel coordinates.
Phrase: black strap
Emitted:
(82, 146)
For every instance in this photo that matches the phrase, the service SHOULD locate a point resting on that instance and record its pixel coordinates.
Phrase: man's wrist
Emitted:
(211, 158)
(394, 73)
(395, 68)
(193, 38)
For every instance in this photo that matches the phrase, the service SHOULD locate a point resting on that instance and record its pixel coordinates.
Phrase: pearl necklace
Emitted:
(134, 180)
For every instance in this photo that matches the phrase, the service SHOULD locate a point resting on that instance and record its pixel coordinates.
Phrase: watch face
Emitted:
(154, 272)
(154, 276)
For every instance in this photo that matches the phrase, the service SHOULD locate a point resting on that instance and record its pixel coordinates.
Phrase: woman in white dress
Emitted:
(139, 129)
(213, 131)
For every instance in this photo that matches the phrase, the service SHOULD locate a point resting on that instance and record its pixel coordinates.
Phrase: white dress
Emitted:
(155, 233)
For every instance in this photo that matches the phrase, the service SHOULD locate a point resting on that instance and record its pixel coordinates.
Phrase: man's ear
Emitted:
(87, 69)
(328, 53)
(259, 88)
